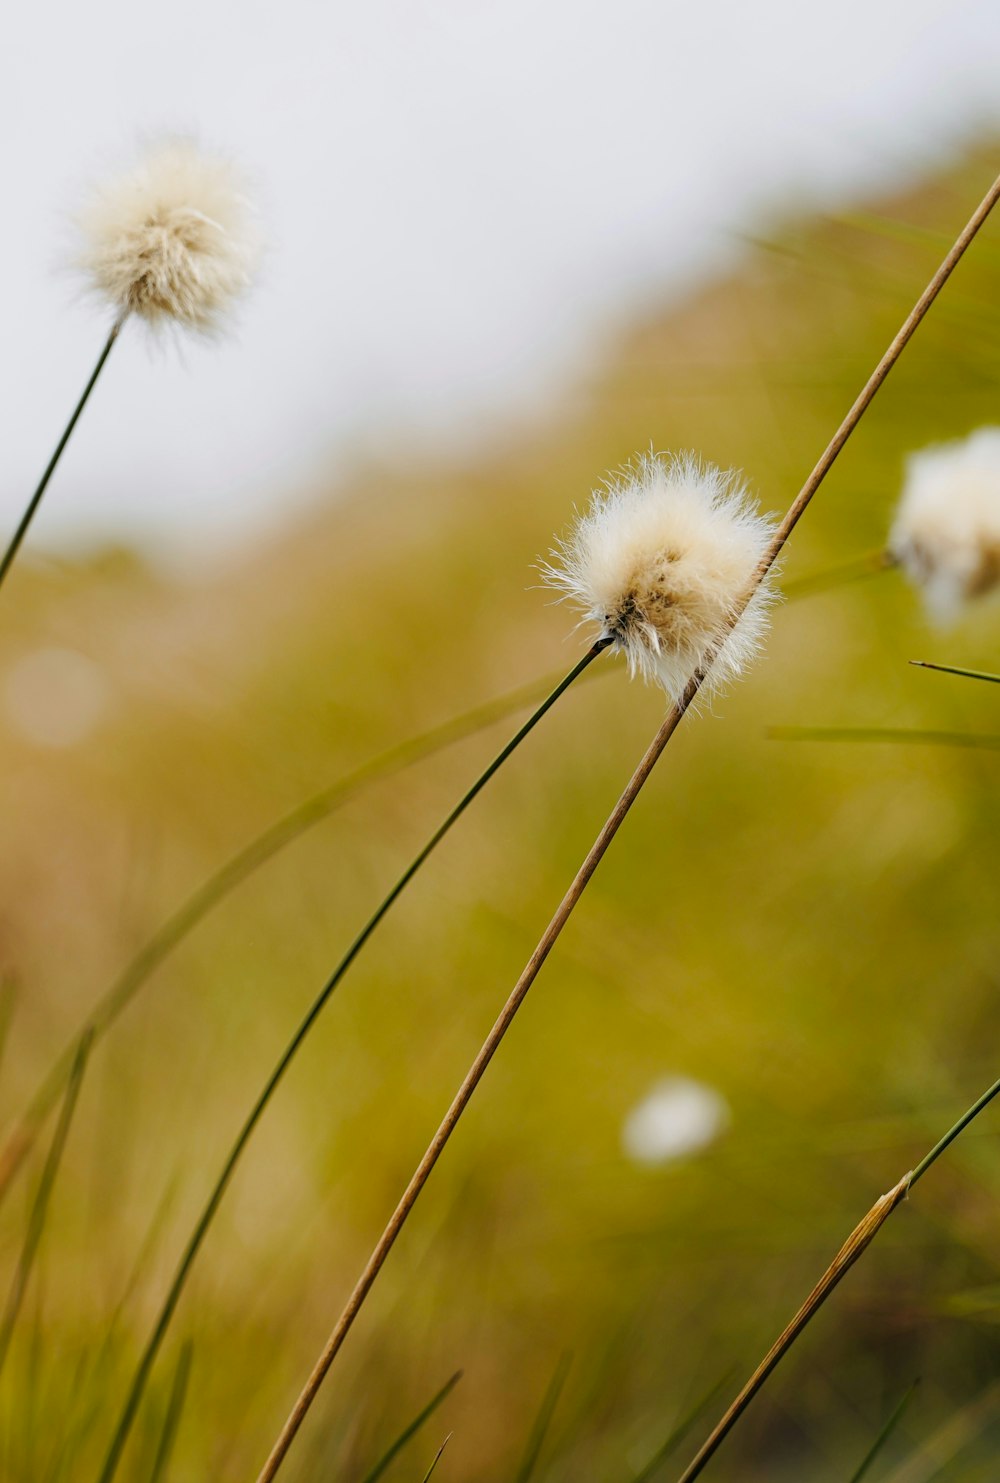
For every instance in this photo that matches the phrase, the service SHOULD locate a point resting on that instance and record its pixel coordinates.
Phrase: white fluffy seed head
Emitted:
(946, 534)
(173, 240)
(661, 560)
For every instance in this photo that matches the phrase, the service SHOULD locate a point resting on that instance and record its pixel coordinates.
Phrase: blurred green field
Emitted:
(809, 928)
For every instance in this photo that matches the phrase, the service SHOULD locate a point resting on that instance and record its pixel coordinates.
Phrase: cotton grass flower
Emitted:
(173, 239)
(946, 534)
(172, 242)
(661, 560)
(677, 1118)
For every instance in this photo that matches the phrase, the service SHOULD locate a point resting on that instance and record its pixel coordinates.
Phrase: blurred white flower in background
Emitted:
(55, 697)
(946, 534)
(677, 1117)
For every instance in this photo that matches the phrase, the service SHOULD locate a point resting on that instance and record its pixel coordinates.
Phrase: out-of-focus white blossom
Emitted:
(678, 1117)
(55, 697)
(946, 534)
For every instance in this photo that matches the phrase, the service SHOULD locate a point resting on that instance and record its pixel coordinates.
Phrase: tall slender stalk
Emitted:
(239, 867)
(595, 855)
(861, 1237)
(40, 1204)
(204, 1222)
(7, 560)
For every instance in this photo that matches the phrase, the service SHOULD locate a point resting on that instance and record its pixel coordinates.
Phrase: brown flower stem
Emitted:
(597, 851)
(7, 560)
(848, 1254)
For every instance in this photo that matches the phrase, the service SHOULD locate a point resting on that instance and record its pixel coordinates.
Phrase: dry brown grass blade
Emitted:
(864, 1232)
(598, 850)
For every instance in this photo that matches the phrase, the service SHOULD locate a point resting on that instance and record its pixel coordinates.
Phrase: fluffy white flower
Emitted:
(677, 1118)
(946, 533)
(661, 559)
(173, 239)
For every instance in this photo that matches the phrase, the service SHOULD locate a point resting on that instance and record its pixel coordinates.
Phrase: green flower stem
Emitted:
(7, 560)
(201, 1229)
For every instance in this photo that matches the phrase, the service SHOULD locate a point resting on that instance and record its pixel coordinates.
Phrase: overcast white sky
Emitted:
(460, 196)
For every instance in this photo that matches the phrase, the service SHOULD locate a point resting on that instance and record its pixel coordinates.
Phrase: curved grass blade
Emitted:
(204, 1222)
(241, 866)
(412, 1429)
(175, 1405)
(238, 868)
(8, 1000)
(888, 735)
(437, 1457)
(951, 669)
(676, 1436)
(40, 1204)
(888, 1428)
(536, 1438)
(855, 569)
(944, 1446)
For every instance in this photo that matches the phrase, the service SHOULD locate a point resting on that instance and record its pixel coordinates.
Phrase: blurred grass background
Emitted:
(809, 928)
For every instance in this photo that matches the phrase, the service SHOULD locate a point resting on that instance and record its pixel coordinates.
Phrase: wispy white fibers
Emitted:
(946, 533)
(678, 1117)
(660, 561)
(173, 239)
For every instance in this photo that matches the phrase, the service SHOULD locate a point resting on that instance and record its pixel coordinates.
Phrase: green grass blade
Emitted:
(855, 569)
(677, 1434)
(205, 1219)
(175, 1405)
(888, 1428)
(437, 1457)
(536, 1438)
(412, 1429)
(40, 1204)
(8, 1000)
(952, 669)
(237, 869)
(887, 735)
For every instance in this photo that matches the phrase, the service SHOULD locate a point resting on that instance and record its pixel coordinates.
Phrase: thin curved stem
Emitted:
(40, 1204)
(862, 1235)
(204, 1222)
(7, 560)
(854, 569)
(22, 1137)
(951, 669)
(238, 868)
(982, 741)
(549, 937)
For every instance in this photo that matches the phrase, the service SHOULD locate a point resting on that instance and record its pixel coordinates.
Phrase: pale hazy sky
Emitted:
(460, 198)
